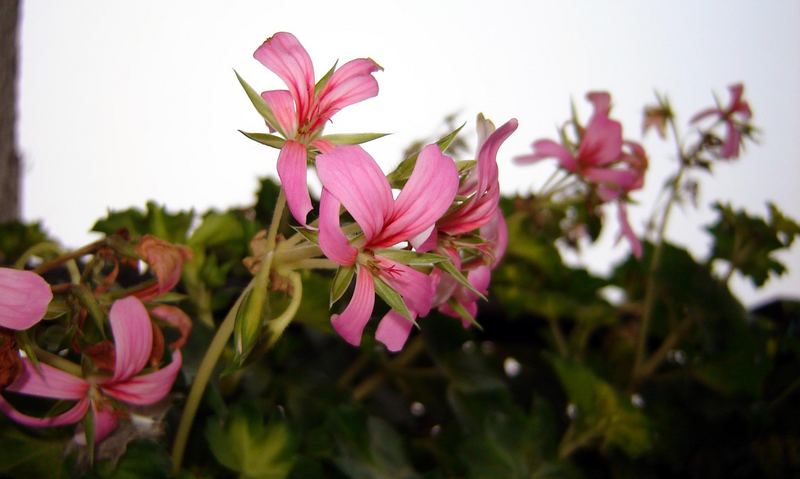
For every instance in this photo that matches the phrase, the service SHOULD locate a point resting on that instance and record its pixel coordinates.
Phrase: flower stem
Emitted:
(48, 265)
(219, 341)
(655, 262)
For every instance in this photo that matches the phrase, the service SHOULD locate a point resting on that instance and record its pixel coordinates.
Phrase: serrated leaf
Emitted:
(342, 279)
(392, 298)
(410, 258)
(353, 138)
(403, 171)
(265, 139)
(261, 106)
(215, 229)
(449, 268)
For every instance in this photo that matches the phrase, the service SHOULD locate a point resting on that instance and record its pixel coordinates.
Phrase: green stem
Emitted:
(219, 341)
(655, 262)
(48, 265)
(57, 361)
(558, 336)
(279, 324)
(313, 263)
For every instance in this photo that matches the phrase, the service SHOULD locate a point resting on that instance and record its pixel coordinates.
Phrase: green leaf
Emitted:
(247, 328)
(392, 298)
(398, 177)
(310, 235)
(261, 106)
(353, 138)
(601, 411)
(265, 139)
(342, 279)
(22, 455)
(449, 268)
(246, 444)
(217, 228)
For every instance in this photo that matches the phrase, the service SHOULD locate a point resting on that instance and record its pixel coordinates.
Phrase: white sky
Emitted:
(126, 102)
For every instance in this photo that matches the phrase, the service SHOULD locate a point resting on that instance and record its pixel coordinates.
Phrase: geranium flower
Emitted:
(24, 296)
(133, 340)
(735, 116)
(350, 177)
(301, 111)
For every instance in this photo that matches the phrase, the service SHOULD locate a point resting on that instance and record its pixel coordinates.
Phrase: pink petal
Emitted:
(287, 58)
(617, 178)
(706, 113)
(393, 331)
(350, 324)
(730, 147)
(356, 180)
(480, 278)
(282, 106)
(415, 287)
(71, 416)
(351, 83)
(176, 318)
(133, 337)
(424, 244)
(601, 143)
(105, 422)
(426, 196)
(486, 167)
(24, 297)
(146, 388)
(332, 241)
(324, 146)
(627, 231)
(48, 382)
(601, 101)
(496, 231)
(292, 169)
(549, 149)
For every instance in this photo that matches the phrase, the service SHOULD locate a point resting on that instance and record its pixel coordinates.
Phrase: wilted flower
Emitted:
(166, 260)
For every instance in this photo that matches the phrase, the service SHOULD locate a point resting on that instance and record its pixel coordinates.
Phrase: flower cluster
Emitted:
(611, 166)
(736, 119)
(406, 248)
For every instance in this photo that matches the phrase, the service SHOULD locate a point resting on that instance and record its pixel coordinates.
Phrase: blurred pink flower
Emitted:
(735, 116)
(166, 261)
(133, 340)
(24, 296)
(302, 111)
(350, 177)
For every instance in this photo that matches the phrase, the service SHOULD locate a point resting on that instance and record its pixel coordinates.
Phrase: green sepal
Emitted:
(265, 139)
(89, 431)
(353, 138)
(324, 80)
(411, 258)
(463, 313)
(342, 279)
(247, 326)
(449, 268)
(26, 344)
(261, 106)
(398, 177)
(310, 235)
(392, 298)
(88, 300)
(57, 308)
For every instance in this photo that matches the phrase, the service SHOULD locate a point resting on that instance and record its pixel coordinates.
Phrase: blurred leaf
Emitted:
(215, 229)
(246, 444)
(16, 238)
(141, 459)
(602, 411)
(23, 455)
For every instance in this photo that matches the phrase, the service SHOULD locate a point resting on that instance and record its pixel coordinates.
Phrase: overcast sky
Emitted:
(125, 102)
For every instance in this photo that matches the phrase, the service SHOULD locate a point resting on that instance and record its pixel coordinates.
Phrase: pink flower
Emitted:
(604, 160)
(735, 116)
(133, 336)
(482, 185)
(350, 177)
(24, 297)
(301, 111)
